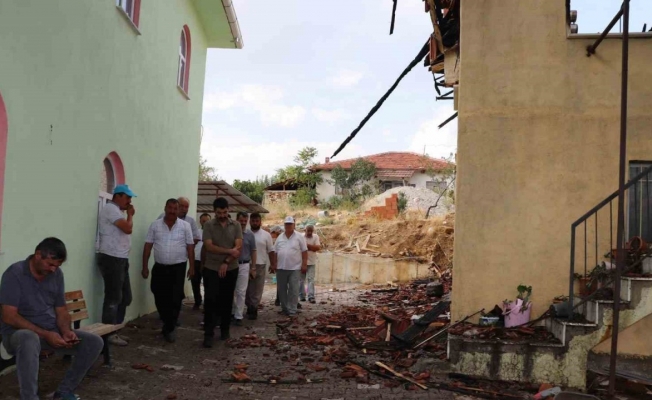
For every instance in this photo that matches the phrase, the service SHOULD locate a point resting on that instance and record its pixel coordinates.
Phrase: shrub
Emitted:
(402, 202)
(303, 197)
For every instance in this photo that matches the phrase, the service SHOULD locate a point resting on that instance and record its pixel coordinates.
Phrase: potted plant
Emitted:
(585, 286)
(518, 312)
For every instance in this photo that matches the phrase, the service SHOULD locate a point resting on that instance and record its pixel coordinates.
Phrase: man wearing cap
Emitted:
(173, 244)
(292, 261)
(113, 258)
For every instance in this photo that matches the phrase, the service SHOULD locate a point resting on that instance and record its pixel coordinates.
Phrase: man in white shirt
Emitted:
(173, 244)
(265, 258)
(292, 260)
(247, 258)
(313, 244)
(113, 257)
(196, 279)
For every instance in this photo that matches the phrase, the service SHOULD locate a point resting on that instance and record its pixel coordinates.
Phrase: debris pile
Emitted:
(420, 240)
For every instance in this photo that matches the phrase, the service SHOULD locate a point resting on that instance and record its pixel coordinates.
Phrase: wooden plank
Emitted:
(75, 295)
(76, 305)
(399, 375)
(78, 316)
(102, 329)
(357, 246)
(365, 242)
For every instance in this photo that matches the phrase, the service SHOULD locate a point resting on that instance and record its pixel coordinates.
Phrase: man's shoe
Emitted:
(69, 396)
(299, 305)
(208, 342)
(126, 339)
(253, 315)
(170, 337)
(303, 299)
(117, 341)
(196, 306)
(312, 301)
(225, 335)
(277, 302)
(238, 322)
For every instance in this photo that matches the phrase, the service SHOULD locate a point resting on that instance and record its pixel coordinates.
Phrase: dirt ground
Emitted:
(197, 373)
(408, 236)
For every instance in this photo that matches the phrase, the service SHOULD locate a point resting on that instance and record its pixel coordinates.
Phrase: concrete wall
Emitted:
(333, 268)
(537, 145)
(325, 190)
(78, 83)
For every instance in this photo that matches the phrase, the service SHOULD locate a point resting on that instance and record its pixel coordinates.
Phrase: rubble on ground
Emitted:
(418, 199)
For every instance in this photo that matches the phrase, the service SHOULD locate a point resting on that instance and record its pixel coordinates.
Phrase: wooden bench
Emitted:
(76, 306)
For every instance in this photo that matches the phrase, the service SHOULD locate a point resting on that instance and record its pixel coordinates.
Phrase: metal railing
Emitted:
(637, 192)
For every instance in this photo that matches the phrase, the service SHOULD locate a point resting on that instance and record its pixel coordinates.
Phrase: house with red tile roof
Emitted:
(393, 169)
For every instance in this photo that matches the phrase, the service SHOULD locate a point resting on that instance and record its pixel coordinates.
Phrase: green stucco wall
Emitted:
(78, 83)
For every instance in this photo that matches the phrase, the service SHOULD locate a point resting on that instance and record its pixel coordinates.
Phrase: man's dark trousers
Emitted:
(218, 299)
(196, 283)
(117, 288)
(167, 287)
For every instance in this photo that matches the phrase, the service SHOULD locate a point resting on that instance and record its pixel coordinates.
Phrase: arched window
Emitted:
(4, 129)
(184, 59)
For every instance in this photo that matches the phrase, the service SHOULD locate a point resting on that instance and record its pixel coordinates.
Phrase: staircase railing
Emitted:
(633, 190)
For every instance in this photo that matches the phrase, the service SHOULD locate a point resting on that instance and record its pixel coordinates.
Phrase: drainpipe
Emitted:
(229, 9)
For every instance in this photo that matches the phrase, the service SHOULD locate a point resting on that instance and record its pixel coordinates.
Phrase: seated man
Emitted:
(34, 317)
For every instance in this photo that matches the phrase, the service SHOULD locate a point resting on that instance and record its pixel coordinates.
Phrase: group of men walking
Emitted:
(231, 260)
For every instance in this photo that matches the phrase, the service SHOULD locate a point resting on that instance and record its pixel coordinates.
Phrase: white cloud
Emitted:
(330, 116)
(247, 159)
(437, 142)
(388, 136)
(266, 100)
(347, 78)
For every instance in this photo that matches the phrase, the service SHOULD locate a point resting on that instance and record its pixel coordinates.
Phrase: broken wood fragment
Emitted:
(401, 376)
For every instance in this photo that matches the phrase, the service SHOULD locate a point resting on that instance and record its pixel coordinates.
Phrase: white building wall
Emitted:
(325, 190)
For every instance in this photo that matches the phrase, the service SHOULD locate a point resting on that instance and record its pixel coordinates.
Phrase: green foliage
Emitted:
(444, 178)
(207, 173)
(402, 202)
(339, 203)
(254, 189)
(522, 290)
(303, 197)
(300, 172)
(326, 221)
(355, 183)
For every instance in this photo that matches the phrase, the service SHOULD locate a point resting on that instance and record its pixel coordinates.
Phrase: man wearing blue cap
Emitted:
(113, 258)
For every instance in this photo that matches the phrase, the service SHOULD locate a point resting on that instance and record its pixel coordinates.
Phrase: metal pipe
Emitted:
(233, 23)
(590, 50)
(620, 255)
(571, 293)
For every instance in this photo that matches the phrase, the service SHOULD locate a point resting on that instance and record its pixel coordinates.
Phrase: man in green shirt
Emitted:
(222, 239)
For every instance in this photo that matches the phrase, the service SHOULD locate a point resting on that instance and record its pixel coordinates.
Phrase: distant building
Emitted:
(393, 169)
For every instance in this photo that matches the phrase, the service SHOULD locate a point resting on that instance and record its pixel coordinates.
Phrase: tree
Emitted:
(444, 178)
(206, 173)
(300, 172)
(254, 189)
(357, 181)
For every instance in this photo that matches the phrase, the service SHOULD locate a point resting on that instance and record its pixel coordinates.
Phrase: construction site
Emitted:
(517, 267)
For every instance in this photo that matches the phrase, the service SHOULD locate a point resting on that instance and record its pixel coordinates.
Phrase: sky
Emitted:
(310, 71)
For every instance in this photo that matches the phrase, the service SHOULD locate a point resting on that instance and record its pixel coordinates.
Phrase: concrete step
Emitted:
(634, 289)
(593, 310)
(565, 331)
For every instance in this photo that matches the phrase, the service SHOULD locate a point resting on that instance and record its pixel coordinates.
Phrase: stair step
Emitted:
(593, 310)
(630, 288)
(565, 331)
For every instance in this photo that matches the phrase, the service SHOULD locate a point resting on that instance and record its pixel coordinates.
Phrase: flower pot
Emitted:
(515, 314)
